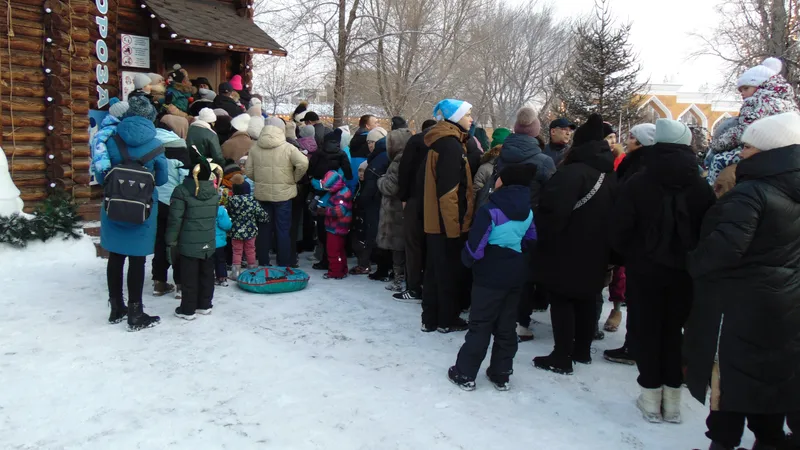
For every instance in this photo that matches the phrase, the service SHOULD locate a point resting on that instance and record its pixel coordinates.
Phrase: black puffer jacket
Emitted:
(358, 145)
(658, 212)
(329, 157)
(573, 251)
(632, 164)
(747, 268)
(413, 159)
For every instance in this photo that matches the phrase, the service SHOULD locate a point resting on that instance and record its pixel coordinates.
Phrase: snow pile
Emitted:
(339, 365)
(56, 251)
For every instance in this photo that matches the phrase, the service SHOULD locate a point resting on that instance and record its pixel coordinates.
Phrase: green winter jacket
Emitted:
(192, 219)
(206, 141)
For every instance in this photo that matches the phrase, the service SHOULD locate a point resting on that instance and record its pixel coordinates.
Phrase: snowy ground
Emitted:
(337, 366)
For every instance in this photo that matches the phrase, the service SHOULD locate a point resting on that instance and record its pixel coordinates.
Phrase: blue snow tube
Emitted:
(273, 280)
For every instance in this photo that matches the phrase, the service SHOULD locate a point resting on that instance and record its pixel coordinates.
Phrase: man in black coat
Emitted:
(561, 131)
(320, 130)
(411, 165)
(573, 252)
(640, 142)
(657, 219)
(224, 101)
(358, 145)
(747, 268)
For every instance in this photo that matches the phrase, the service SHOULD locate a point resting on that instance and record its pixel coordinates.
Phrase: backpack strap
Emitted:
(591, 193)
(123, 149)
(152, 155)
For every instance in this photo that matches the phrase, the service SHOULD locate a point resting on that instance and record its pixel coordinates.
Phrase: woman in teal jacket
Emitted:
(124, 240)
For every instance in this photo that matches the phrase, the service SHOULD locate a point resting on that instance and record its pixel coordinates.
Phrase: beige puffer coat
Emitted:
(275, 166)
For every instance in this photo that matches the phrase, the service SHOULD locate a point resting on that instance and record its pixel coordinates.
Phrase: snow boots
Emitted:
(138, 320)
(459, 324)
(499, 380)
(234, 273)
(460, 380)
(619, 355)
(182, 315)
(671, 404)
(397, 284)
(649, 403)
(161, 288)
(118, 310)
(524, 334)
(554, 363)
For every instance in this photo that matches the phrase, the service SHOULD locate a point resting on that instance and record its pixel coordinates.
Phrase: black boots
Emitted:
(118, 310)
(138, 320)
(554, 363)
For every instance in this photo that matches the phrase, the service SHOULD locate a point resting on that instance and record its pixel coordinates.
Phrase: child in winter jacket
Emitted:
(501, 229)
(192, 227)
(338, 215)
(308, 145)
(246, 213)
(224, 225)
(766, 93)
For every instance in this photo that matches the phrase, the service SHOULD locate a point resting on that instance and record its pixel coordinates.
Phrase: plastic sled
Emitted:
(273, 280)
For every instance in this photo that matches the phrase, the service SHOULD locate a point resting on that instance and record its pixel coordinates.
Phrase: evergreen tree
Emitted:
(603, 76)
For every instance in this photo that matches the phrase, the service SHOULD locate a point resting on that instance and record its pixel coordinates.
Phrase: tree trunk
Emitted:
(339, 81)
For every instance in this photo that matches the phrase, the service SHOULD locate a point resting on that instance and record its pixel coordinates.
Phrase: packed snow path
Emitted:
(338, 366)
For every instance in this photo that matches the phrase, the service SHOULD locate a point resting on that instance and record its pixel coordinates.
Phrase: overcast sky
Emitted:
(660, 35)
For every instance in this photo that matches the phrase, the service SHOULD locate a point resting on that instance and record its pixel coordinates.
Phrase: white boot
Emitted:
(649, 403)
(671, 406)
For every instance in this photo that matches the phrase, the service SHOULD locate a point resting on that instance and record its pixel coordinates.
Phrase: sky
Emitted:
(661, 35)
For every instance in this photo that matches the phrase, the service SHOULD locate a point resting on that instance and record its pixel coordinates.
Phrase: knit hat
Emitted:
(451, 109)
(645, 133)
(376, 134)
(427, 124)
(140, 80)
(499, 136)
(307, 131)
(219, 112)
(527, 122)
(255, 126)
(236, 82)
(141, 106)
(178, 76)
(207, 94)
(117, 108)
(757, 75)
(207, 115)
(255, 101)
(202, 80)
(608, 130)
(334, 136)
(311, 116)
(517, 174)
(155, 78)
(254, 110)
(398, 123)
(590, 131)
(672, 132)
(225, 88)
(240, 122)
(344, 142)
(780, 130)
(274, 121)
(242, 187)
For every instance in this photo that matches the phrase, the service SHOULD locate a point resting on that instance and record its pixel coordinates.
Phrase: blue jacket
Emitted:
(123, 238)
(224, 225)
(494, 247)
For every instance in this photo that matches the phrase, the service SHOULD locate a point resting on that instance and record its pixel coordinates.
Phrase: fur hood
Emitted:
(396, 142)
(188, 90)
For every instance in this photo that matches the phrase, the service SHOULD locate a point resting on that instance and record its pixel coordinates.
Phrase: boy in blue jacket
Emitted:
(501, 229)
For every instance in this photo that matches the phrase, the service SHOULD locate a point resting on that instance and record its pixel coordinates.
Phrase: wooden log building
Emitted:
(61, 59)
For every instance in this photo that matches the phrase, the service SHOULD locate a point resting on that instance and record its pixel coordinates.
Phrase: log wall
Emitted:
(48, 85)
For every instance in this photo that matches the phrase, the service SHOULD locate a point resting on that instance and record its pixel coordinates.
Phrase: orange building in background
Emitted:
(663, 101)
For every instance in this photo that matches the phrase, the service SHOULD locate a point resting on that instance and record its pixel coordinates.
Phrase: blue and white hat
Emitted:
(451, 109)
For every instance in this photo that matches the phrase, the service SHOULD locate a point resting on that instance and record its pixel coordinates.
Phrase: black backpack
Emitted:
(128, 187)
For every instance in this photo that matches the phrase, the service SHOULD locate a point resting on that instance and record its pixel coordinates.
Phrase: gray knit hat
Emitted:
(307, 131)
(141, 106)
(118, 108)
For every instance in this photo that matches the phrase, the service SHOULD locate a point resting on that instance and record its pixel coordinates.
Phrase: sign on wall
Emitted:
(126, 79)
(135, 51)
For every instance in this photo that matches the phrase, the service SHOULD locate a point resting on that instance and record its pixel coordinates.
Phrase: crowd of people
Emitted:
(702, 251)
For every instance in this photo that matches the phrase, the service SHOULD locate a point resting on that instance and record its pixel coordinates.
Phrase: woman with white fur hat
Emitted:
(239, 143)
(766, 93)
(746, 271)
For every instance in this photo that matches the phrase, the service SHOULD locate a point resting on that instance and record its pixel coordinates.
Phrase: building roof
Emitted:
(204, 21)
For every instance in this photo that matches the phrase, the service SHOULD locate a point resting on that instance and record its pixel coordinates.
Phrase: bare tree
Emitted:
(278, 79)
(752, 30)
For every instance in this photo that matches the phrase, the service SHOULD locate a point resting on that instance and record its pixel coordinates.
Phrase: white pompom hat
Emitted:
(755, 76)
